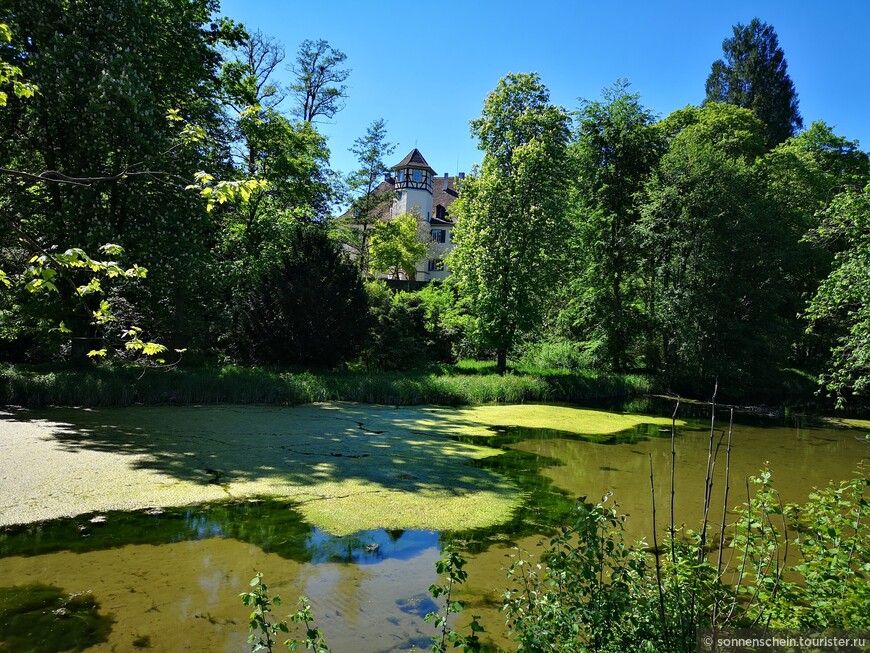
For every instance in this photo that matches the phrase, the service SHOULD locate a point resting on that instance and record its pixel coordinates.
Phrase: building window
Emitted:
(436, 265)
(440, 212)
(417, 175)
(401, 175)
(438, 235)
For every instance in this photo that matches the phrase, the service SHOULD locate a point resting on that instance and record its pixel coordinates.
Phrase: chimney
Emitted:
(461, 176)
(446, 181)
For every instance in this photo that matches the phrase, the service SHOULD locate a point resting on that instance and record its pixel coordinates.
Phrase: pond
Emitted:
(147, 570)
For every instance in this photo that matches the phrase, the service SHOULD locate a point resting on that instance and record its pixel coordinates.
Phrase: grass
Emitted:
(468, 382)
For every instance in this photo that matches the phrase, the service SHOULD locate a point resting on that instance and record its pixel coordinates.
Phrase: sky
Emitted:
(425, 68)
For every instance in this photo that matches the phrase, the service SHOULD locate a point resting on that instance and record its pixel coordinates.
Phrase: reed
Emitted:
(469, 382)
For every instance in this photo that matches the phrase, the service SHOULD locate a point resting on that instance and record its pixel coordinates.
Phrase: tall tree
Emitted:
(369, 199)
(109, 72)
(841, 301)
(319, 89)
(753, 74)
(616, 147)
(248, 79)
(717, 248)
(512, 226)
(802, 176)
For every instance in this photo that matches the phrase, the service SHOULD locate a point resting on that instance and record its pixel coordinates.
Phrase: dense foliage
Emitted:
(754, 75)
(512, 223)
(717, 243)
(309, 309)
(598, 593)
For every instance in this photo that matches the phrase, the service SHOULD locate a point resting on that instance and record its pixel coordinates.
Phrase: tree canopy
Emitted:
(511, 216)
(158, 137)
(753, 74)
(616, 146)
(319, 89)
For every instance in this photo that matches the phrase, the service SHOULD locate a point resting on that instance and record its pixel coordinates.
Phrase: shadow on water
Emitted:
(278, 527)
(274, 526)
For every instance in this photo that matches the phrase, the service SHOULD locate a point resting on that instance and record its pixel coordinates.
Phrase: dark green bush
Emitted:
(404, 333)
(310, 309)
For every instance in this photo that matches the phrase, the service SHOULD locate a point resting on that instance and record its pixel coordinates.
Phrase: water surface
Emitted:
(170, 578)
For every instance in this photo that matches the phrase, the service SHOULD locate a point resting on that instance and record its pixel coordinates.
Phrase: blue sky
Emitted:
(426, 67)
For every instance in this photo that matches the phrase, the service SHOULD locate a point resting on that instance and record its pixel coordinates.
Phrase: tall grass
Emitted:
(470, 382)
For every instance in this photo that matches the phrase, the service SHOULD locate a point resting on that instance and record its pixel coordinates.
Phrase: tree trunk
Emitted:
(501, 364)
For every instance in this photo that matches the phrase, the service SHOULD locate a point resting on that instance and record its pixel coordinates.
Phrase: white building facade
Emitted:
(416, 189)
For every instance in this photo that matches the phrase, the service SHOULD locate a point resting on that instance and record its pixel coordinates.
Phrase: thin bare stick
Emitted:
(740, 575)
(708, 482)
(727, 488)
(55, 177)
(673, 491)
(724, 510)
(673, 470)
(652, 489)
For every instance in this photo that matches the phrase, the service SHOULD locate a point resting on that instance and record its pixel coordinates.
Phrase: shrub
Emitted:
(592, 592)
(403, 333)
(310, 309)
(559, 354)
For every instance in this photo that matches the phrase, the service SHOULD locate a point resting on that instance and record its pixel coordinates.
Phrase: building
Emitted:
(416, 189)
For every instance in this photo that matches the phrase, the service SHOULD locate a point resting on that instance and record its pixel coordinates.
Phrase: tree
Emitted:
(247, 80)
(803, 175)
(397, 245)
(309, 309)
(716, 245)
(319, 89)
(511, 216)
(616, 147)
(842, 298)
(291, 157)
(754, 75)
(101, 115)
(369, 201)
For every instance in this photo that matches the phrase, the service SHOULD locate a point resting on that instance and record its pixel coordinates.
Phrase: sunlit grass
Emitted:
(468, 382)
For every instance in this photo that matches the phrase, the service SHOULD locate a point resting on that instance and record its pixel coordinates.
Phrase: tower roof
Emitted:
(413, 160)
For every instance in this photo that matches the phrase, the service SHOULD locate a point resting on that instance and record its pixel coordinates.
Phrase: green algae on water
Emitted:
(347, 467)
(62, 621)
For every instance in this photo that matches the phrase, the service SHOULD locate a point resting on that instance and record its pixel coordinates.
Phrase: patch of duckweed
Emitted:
(347, 467)
(487, 420)
(43, 619)
(856, 423)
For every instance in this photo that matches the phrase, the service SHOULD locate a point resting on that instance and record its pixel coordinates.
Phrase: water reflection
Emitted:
(172, 577)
